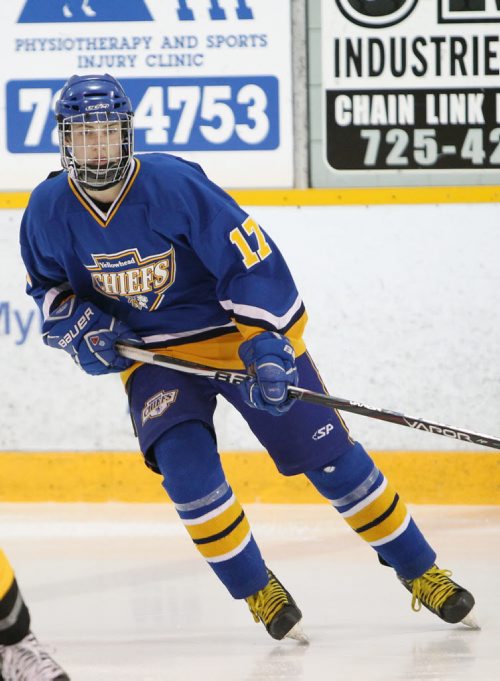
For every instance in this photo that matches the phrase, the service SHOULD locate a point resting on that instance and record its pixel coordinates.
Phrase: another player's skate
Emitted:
(29, 661)
(276, 609)
(442, 596)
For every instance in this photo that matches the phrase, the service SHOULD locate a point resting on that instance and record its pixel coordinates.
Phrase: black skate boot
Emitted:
(442, 596)
(276, 609)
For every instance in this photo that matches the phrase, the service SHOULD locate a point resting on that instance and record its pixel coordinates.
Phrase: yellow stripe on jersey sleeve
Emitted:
(221, 352)
(294, 333)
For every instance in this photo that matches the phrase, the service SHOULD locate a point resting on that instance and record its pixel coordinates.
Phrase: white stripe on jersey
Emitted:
(160, 338)
(259, 313)
(50, 296)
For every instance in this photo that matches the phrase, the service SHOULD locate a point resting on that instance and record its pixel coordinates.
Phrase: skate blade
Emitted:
(297, 633)
(471, 621)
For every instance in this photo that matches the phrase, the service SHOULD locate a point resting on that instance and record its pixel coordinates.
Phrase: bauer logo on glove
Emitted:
(74, 331)
(89, 336)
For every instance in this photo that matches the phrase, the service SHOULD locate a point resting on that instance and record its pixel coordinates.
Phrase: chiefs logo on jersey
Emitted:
(142, 282)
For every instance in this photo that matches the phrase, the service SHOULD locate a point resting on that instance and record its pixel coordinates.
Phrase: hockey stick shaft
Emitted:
(148, 357)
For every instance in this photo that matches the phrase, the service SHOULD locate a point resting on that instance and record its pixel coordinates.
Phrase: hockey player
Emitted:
(22, 658)
(146, 249)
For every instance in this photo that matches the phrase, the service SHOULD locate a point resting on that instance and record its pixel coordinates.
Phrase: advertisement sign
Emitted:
(208, 79)
(411, 85)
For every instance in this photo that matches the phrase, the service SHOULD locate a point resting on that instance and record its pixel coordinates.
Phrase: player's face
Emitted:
(95, 145)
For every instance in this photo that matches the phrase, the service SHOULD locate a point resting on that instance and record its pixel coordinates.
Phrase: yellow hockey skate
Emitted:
(442, 596)
(276, 609)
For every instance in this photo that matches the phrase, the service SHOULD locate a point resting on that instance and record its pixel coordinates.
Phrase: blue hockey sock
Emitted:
(368, 503)
(193, 478)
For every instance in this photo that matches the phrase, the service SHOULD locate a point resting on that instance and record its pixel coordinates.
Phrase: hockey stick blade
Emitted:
(469, 436)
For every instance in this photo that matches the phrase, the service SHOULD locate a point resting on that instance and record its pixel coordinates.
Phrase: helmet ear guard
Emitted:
(95, 104)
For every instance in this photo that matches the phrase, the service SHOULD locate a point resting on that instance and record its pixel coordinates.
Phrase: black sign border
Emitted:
(442, 20)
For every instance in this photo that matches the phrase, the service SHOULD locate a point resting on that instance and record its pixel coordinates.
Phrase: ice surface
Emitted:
(119, 593)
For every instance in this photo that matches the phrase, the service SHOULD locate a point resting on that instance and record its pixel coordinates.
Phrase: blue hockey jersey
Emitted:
(173, 256)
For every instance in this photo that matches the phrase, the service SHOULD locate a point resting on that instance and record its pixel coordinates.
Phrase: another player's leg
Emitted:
(22, 658)
(193, 478)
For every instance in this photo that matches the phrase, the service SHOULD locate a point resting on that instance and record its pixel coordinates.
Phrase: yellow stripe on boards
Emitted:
(366, 196)
(332, 197)
(14, 200)
(6, 574)
(419, 477)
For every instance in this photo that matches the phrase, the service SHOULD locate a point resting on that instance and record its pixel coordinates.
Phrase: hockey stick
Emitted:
(312, 397)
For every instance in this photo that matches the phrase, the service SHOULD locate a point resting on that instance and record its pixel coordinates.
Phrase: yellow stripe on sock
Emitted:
(394, 535)
(378, 516)
(216, 524)
(6, 574)
(386, 527)
(228, 544)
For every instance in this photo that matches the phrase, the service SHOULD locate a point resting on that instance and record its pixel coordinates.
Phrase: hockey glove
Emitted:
(89, 336)
(270, 359)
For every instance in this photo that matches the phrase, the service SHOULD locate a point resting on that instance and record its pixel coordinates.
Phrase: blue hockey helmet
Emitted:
(89, 95)
(99, 105)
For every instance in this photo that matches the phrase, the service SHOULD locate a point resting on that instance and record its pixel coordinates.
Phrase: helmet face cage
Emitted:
(94, 117)
(96, 149)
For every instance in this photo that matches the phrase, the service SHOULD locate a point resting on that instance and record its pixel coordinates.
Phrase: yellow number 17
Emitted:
(249, 256)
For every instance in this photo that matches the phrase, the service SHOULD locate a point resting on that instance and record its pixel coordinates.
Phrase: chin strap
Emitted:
(100, 187)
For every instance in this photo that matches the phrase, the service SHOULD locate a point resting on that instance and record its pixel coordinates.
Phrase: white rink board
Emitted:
(403, 304)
